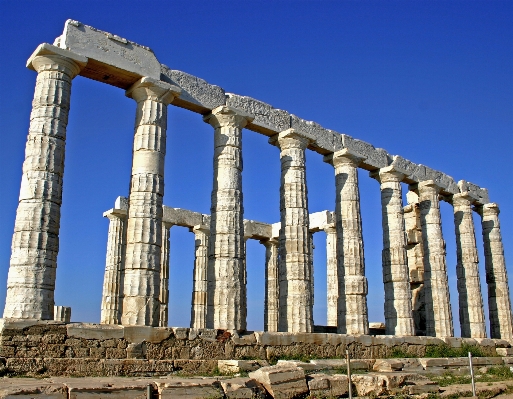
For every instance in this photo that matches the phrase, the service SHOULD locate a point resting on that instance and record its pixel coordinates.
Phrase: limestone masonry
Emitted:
(135, 291)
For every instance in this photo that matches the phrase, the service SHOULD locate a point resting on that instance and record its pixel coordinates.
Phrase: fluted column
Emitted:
(199, 294)
(112, 297)
(332, 274)
(271, 304)
(35, 243)
(295, 258)
(472, 319)
(438, 304)
(352, 288)
(398, 311)
(499, 303)
(227, 290)
(141, 302)
(164, 275)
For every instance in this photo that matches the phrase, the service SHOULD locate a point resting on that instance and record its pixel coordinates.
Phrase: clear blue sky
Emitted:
(431, 81)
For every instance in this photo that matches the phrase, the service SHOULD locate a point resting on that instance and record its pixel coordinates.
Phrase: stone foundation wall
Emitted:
(78, 349)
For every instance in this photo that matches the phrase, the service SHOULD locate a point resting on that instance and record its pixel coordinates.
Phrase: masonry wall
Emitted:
(76, 349)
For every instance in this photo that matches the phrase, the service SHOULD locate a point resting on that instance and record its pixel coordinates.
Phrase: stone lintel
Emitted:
(326, 141)
(204, 228)
(346, 153)
(112, 59)
(478, 194)
(257, 230)
(49, 49)
(320, 221)
(121, 203)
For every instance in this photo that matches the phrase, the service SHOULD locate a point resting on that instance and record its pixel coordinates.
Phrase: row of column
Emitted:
(144, 277)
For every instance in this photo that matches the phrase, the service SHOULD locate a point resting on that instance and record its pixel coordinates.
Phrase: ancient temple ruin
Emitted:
(137, 266)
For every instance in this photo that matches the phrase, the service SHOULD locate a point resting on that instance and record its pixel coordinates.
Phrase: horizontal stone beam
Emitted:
(120, 62)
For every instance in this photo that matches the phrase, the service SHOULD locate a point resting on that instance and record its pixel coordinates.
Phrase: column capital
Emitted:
(167, 225)
(489, 209)
(115, 213)
(225, 115)
(148, 88)
(461, 199)
(345, 156)
(269, 243)
(427, 188)
(51, 58)
(387, 174)
(292, 138)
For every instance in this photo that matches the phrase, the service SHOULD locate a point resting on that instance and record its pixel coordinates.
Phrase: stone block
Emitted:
(257, 230)
(268, 120)
(242, 388)
(296, 363)
(487, 361)
(236, 366)
(181, 217)
(504, 351)
(422, 388)
(95, 331)
(188, 388)
(281, 382)
(32, 388)
(373, 158)
(388, 365)
(326, 141)
(433, 362)
(138, 334)
(369, 385)
(197, 95)
(328, 385)
(479, 194)
(112, 59)
(115, 388)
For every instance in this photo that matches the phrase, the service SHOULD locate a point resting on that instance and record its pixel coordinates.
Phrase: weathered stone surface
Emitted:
(111, 388)
(113, 59)
(371, 158)
(504, 351)
(323, 384)
(197, 95)
(188, 388)
(480, 195)
(324, 141)
(268, 120)
(242, 388)
(297, 363)
(236, 366)
(281, 382)
(388, 365)
(32, 388)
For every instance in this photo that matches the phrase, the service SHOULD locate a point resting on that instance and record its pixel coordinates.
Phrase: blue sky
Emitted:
(431, 81)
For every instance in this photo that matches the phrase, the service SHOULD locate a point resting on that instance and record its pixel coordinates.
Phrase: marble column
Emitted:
(352, 284)
(271, 304)
(398, 311)
(499, 303)
(472, 319)
(295, 258)
(112, 297)
(35, 242)
(227, 290)
(141, 302)
(199, 294)
(164, 275)
(415, 254)
(332, 274)
(437, 300)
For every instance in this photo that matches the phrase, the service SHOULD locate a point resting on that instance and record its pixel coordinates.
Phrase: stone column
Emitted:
(472, 319)
(398, 311)
(499, 304)
(227, 291)
(141, 302)
(437, 300)
(415, 253)
(164, 275)
(35, 243)
(199, 294)
(332, 274)
(295, 259)
(112, 297)
(352, 288)
(271, 304)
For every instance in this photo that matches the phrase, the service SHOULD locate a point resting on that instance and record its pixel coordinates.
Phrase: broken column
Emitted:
(199, 293)
(472, 320)
(271, 304)
(332, 274)
(141, 302)
(35, 243)
(352, 288)
(227, 291)
(164, 275)
(438, 304)
(499, 303)
(295, 266)
(398, 311)
(114, 266)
